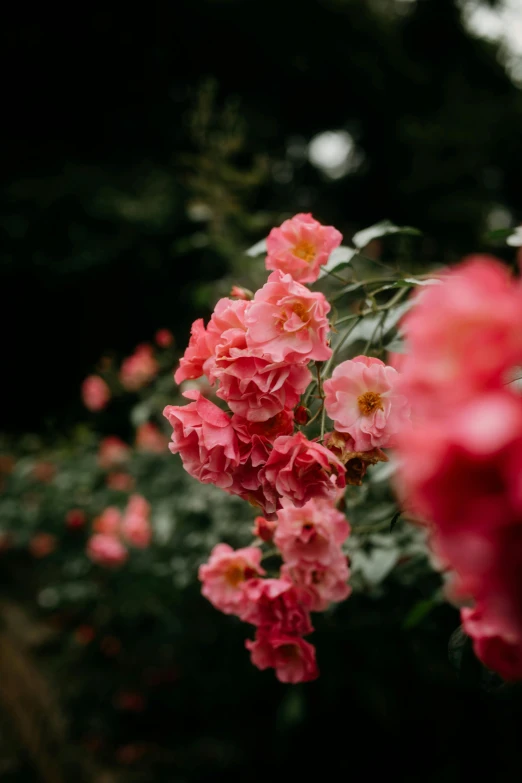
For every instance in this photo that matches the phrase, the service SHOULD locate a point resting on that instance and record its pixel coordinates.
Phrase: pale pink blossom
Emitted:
(225, 575)
(325, 584)
(106, 550)
(205, 439)
(264, 529)
(95, 393)
(139, 369)
(287, 322)
(277, 605)
(300, 246)
(136, 530)
(259, 389)
(310, 534)
(108, 522)
(292, 658)
(299, 469)
(112, 451)
(363, 401)
(150, 438)
(238, 292)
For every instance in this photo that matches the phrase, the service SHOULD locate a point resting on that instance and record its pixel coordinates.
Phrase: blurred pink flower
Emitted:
(95, 393)
(113, 451)
(135, 526)
(108, 522)
(300, 246)
(42, 544)
(120, 481)
(138, 369)
(150, 438)
(75, 518)
(164, 338)
(323, 583)
(106, 550)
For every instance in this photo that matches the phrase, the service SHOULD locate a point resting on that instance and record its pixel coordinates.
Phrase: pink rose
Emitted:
(323, 583)
(225, 575)
(95, 393)
(277, 605)
(312, 533)
(205, 439)
(136, 530)
(498, 650)
(362, 400)
(140, 368)
(150, 438)
(300, 246)
(292, 658)
(259, 389)
(226, 325)
(106, 550)
(287, 322)
(299, 469)
(113, 451)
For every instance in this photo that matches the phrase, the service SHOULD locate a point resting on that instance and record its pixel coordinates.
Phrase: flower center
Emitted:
(270, 427)
(305, 250)
(369, 402)
(289, 652)
(300, 310)
(234, 575)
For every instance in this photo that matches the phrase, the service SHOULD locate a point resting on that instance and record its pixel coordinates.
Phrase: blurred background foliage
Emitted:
(144, 149)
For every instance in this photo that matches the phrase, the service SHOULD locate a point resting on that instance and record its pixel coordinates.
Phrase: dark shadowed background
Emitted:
(144, 148)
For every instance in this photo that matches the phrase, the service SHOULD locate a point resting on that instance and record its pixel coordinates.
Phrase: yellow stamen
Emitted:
(369, 402)
(305, 250)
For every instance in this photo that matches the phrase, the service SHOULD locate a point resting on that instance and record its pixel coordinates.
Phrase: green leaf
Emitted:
(339, 259)
(397, 345)
(257, 249)
(414, 281)
(385, 227)
(418, 612)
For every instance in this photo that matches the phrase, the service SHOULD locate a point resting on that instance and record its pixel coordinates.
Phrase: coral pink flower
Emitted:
(226, 325)
(205, 439)
(311, 533)
(140, 368)
(325, 584)
(287, 322)
(498, 650)
(106, 550)
(150, 438)
(225, 575)
(113, 451)
(362, 399)
(300, 246)
(164, 338)
(299, 469)
(292, 658)
(198, 352)
(95, 393)
(108, 522)
(259, 389)
(277, 606)
(463, 334)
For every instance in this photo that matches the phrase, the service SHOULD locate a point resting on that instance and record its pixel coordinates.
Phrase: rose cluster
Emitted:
(461, 462)
(114, 530)
(255, 353)
(314, 574)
